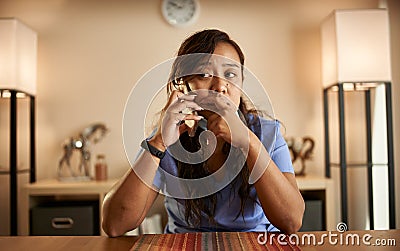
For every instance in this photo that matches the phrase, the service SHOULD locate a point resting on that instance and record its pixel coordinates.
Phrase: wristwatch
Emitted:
(154, 151)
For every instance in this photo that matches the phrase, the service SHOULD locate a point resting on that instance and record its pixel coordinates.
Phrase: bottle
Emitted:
(101, 168)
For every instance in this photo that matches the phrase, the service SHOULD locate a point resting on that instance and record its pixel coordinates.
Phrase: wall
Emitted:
(92, 52)
(394, 15)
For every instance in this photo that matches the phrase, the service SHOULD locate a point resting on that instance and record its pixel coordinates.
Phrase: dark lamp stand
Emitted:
(343, 164)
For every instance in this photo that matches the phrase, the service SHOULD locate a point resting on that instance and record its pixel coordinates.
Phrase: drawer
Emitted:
(72, 218)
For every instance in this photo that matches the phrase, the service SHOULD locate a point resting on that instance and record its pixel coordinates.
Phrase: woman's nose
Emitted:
(219, 85)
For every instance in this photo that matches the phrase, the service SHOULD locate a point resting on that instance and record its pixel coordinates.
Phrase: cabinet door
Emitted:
(314, 214)
(65, 220)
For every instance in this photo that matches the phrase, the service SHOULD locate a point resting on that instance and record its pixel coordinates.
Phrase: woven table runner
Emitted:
(213, 241)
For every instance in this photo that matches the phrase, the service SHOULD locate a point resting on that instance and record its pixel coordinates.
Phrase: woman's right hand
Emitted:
(180, 107)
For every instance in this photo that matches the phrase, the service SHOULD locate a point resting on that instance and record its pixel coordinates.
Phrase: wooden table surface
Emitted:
(323, 241)
(73, 243)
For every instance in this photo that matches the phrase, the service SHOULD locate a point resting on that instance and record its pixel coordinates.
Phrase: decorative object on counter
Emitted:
(101, 168)
(300, 149)
(80, 145)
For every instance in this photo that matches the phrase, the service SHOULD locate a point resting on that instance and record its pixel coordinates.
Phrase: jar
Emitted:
(101, 167)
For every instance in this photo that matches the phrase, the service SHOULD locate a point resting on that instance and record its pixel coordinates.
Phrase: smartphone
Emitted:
(192, 124)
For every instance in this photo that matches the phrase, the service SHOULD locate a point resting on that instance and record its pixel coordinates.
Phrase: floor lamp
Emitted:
(356, 57)
(18, 49)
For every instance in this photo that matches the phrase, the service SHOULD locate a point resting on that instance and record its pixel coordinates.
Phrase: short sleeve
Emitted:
(275, 144)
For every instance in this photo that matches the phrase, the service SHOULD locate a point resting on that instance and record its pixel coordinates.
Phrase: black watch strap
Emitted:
(154, 151)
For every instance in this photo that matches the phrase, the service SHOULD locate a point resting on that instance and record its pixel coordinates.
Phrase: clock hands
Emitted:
(179, 5)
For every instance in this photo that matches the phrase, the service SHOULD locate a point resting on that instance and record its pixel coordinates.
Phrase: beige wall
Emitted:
(394, 15)
(92, 52)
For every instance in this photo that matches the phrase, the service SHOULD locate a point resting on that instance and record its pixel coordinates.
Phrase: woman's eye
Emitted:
(230, 74)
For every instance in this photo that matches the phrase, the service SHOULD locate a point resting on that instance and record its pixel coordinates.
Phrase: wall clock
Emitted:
(180, 13)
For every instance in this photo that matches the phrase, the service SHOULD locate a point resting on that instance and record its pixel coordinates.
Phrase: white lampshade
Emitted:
(18, 50)
(356, 47)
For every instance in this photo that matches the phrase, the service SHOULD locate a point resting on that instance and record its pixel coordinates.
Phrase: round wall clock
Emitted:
(180, 13)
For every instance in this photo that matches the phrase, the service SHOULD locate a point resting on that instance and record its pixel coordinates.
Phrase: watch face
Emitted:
(180, 12)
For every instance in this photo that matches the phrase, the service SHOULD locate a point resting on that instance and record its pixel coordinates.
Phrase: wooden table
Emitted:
(169, 241)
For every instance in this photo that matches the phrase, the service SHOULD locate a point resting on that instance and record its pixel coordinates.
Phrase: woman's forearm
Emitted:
(126, 205)
(278, 193)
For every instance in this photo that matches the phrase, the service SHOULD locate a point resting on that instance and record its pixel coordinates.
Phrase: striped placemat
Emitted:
(212, 241)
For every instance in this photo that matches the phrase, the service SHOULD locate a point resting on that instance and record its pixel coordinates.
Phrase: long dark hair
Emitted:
(205, 42)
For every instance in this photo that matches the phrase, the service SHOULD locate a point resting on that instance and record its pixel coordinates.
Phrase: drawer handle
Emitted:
(62, 223)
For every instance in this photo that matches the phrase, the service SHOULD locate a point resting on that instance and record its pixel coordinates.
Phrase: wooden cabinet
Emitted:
(49, 191)
(323, 187)
(54, 191)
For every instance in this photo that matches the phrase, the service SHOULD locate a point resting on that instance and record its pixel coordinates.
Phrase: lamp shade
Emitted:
(18, 50)
(355, 47)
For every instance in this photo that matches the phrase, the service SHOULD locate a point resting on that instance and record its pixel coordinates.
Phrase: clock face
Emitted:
(180, 12)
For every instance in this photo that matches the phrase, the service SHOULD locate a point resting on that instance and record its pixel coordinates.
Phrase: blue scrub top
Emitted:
(228, 199)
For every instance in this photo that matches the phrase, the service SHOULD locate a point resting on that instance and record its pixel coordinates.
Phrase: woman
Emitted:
(263, 196)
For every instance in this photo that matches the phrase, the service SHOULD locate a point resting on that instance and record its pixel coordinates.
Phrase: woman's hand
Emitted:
(179, 108)
(223, 119)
